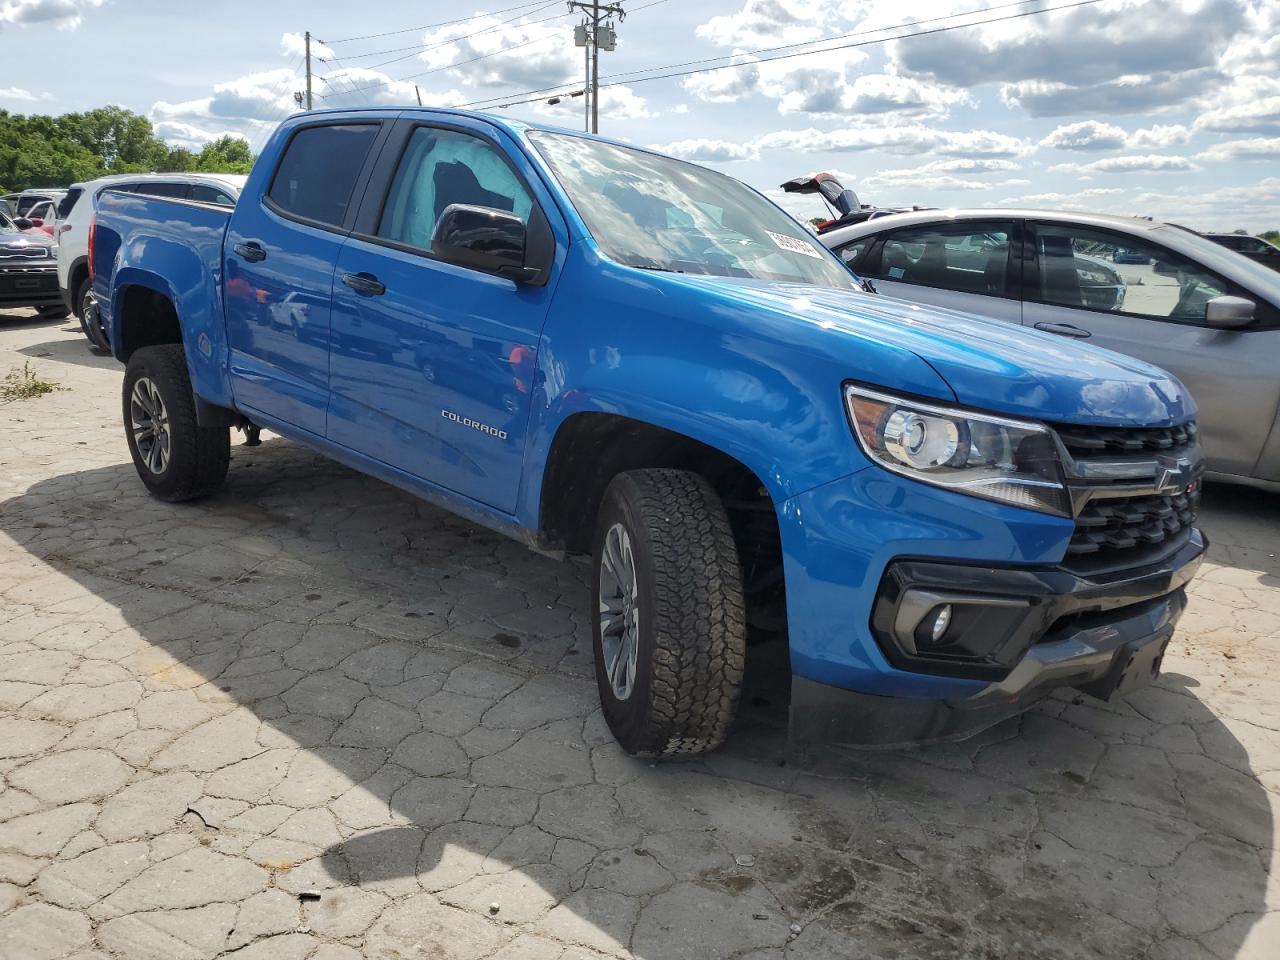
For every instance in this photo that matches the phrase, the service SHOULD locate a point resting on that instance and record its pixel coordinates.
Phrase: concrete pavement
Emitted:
(314, 718)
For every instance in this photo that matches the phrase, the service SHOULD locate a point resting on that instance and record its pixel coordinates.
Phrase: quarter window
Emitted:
(442, 167)
(970, 258)
(1095, 270)
(318, 172)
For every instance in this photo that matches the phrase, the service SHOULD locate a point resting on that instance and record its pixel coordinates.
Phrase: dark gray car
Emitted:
(1154, 291)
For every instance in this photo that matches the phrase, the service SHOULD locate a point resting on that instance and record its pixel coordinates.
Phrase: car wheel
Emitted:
(87, 311)
(176, 458)
(670, 629)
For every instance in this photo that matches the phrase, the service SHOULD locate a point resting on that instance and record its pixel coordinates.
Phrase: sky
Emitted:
(1161, 108)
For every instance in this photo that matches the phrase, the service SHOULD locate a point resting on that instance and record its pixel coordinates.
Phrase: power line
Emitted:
(419, 48)
(802, 53)
(431, 26)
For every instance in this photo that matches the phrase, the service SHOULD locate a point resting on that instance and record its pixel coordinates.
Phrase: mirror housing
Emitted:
(1229, 313)
(22, 223)
(483, 238)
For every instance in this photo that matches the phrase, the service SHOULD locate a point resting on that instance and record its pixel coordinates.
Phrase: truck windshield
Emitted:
(657, 213)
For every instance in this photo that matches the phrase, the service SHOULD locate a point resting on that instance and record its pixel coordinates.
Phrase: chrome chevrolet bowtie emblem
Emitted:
(1172, 475)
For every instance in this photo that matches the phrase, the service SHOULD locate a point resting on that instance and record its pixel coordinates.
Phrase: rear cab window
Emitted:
(318, 172)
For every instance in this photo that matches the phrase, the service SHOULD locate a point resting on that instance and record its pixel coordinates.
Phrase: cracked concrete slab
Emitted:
(314, 718)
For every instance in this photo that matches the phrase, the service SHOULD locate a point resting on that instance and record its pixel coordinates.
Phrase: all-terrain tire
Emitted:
(691, 618)
(197, 457)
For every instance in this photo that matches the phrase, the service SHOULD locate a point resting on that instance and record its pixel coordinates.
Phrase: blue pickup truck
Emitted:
(603, 351)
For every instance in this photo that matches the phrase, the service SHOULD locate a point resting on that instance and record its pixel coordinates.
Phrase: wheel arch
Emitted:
(590, 448)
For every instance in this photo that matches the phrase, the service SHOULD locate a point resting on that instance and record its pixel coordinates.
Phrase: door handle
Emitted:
(1065, 330)
(250, 251)
(365, 283)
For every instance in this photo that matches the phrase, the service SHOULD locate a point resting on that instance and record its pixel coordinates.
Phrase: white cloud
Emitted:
(1147, 163)
(708, 151)
(1094, 135)
(1086, 135)
(485, 51)
(616, 103)
(1255, 148)
(767, 23)
(940, 175)
(23, 94)
(904, 139)
(64, 14)
(1261, 115)
(295, 45)
(1112, 57)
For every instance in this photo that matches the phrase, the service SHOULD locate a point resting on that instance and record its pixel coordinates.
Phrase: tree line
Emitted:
(48, 151)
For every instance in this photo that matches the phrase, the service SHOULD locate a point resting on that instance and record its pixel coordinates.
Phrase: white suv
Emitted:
(75, 213)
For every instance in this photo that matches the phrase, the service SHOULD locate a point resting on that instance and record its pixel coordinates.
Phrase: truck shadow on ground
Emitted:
(396, 709)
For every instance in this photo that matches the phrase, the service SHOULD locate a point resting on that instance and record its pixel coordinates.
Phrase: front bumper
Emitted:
(1103, 635)
(29, 285)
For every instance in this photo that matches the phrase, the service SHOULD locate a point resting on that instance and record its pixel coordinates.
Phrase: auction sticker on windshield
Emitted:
(792, 245)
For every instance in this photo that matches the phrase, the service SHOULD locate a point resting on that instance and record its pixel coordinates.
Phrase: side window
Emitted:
(67, 202)
(177, 190)
(319, 169)
(851, 251)
(207, 194)
(1096, 270)
(970, 257)
(440, 167)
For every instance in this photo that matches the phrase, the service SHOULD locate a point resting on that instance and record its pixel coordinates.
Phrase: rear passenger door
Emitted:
(280, 253)
(433, 363)
(969, 265)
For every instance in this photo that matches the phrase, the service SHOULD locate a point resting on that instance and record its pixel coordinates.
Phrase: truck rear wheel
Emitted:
(176, 459)
(670, 633)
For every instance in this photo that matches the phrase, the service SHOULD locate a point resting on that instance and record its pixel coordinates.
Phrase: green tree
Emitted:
(225, 155)
(1272, 237)
(48, 151)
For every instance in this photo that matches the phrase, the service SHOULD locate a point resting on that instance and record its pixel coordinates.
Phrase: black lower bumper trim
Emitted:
(1103, 637)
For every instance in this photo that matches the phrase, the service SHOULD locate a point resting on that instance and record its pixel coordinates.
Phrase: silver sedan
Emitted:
(1154, 291)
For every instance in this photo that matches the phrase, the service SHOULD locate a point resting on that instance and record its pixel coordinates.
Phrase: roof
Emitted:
(237, 179)
(992, 213)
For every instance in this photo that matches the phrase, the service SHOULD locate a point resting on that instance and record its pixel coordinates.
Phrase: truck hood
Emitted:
(989, 364)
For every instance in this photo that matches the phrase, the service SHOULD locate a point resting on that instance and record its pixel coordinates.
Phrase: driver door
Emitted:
(1131, 295)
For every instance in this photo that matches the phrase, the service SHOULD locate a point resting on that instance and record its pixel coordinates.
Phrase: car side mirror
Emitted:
(483, 238)
(22, 223)
(1229, 313)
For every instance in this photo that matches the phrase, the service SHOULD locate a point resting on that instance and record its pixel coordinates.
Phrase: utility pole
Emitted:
(594, 35)
(308, 69)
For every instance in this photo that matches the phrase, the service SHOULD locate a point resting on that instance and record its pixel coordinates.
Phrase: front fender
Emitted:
(761, 388)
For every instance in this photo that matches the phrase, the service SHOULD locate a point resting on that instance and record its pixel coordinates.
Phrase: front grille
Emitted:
(33, 252)
(1084, 443)
(1133, 526)
(1135, 491)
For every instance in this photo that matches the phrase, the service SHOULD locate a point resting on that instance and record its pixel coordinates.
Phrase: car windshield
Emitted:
(657, 213)
(1260, 279)
(7, 225)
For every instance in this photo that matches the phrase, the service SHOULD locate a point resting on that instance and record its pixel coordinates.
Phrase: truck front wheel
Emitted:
(670, 633)
(176, 458)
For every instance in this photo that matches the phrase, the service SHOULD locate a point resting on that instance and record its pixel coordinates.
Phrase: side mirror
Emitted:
(22, 223)
(1229, 313)
(482, 238)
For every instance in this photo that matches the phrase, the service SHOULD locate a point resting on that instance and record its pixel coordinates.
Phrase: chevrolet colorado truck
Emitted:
(603, 351)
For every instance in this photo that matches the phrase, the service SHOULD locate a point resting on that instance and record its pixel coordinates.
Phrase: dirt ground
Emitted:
(314, 718)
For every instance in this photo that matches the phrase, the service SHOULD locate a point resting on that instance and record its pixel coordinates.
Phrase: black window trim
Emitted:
(542, 242)
(357, 188)
(1266, 318)
(1014, 269)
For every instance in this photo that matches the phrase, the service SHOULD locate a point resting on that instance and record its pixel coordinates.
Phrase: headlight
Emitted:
(1013, 461)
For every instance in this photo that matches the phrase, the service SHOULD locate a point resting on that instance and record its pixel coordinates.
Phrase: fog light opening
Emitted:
(941, 620)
